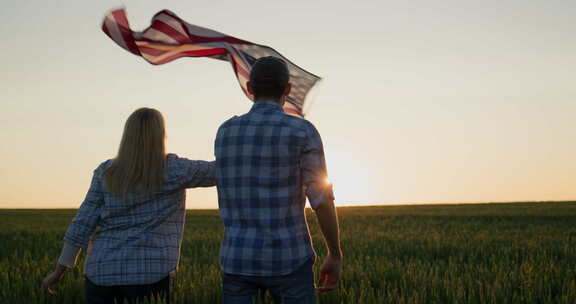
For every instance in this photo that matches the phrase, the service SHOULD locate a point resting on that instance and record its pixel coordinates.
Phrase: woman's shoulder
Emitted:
(172, 156)
(99, 171)
(103, 165)
(173, 159)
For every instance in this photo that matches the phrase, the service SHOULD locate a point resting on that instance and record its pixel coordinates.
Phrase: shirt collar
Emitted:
(266, 105)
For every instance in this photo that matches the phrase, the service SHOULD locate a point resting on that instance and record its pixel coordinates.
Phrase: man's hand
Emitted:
(330, 273)
(52, 279)
(331, 270)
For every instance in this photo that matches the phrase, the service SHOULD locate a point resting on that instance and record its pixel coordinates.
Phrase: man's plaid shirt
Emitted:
(139, 236)
(267, 163)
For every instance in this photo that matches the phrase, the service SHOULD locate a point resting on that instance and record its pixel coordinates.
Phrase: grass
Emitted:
(481, 253)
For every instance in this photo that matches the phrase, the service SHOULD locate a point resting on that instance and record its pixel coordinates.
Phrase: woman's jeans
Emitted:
(129, 294)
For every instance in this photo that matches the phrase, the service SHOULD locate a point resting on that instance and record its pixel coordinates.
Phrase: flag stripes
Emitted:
(168, 38)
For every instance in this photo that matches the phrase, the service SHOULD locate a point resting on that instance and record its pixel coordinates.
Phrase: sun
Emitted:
(351, 181)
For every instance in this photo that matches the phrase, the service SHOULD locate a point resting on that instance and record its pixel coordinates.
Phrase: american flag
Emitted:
(169, 37)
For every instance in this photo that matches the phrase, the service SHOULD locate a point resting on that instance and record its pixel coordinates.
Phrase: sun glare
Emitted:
(350, 181)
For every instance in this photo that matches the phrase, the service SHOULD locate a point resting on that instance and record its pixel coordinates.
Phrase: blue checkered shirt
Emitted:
(139, 236)
(267, 163)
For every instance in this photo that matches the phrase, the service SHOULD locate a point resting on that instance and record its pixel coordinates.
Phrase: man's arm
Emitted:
(331, 270)
(321, 198)
(328, 222)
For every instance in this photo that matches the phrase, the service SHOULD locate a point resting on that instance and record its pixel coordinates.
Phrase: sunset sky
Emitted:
(421, 101)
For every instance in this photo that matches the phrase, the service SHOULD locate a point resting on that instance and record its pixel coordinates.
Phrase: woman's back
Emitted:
(139, 236)
(132, 218)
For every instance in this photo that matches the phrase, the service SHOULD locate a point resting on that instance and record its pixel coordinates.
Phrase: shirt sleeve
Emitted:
(88, 216)
(197, 173)
(314, 172)
(69, 255)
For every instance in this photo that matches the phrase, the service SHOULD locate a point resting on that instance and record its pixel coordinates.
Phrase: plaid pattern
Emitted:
(267, 163)
(139, 236)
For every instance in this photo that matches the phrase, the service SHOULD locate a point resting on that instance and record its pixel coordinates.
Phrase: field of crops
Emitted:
(486, 253)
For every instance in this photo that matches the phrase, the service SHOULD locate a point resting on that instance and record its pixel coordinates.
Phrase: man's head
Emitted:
(269, 79)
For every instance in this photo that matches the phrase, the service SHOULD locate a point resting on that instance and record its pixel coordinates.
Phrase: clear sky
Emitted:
(421, 101)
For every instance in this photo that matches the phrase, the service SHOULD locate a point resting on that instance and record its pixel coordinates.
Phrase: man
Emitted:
(267, 163)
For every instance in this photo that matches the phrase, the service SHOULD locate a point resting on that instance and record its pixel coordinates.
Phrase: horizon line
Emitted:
(363, 204)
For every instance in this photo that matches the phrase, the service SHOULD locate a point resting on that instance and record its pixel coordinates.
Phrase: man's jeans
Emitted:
(295, 288)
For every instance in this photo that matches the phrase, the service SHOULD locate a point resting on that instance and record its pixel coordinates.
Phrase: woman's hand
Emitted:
(53, 278)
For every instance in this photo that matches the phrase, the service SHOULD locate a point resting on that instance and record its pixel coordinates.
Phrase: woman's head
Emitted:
(139, 165)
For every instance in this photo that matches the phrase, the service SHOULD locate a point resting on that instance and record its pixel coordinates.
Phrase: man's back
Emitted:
(263, 161)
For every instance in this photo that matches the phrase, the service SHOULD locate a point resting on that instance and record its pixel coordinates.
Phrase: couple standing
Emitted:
(267, 163)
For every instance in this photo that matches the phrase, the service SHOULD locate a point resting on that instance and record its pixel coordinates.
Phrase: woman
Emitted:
(137, 200)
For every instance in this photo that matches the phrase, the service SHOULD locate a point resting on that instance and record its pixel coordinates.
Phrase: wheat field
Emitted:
(471, 253)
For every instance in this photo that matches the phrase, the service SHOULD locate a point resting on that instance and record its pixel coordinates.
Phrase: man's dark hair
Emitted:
(269, 77)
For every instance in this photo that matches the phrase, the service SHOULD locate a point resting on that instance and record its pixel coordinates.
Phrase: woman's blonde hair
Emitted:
(139, 165)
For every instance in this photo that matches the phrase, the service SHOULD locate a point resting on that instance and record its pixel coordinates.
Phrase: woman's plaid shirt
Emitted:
(139, 236)
(267, 163)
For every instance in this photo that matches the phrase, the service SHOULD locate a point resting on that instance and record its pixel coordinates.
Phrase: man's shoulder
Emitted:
(301, 124)
(284, 119)
(228, 122)
(293, 122)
